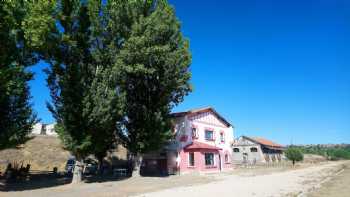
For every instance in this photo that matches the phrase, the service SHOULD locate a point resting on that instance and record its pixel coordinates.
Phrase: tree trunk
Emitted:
(78, 172)
(137, 165)
(293, 162)
(100, 165)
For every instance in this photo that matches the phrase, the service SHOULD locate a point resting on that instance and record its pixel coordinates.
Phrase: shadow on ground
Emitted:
(104, 178)
(47, 180)
(35, 181)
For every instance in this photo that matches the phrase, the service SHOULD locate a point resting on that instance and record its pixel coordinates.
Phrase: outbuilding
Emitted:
(252, 150)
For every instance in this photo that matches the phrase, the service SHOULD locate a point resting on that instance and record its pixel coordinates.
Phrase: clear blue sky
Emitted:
(276, 69)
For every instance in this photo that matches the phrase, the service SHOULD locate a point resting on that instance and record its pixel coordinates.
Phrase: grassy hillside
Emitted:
(42, 152)
(45, 153)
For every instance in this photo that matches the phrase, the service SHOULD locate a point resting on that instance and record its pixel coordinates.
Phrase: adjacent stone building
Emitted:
(252, 150)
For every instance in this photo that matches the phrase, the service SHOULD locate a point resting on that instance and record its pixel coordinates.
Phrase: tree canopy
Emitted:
(16, 114)
(116, 70)
(155, 62)
(294, 154)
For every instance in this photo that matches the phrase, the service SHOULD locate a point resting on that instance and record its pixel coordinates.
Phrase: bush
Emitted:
(336, 152)
(294, 154)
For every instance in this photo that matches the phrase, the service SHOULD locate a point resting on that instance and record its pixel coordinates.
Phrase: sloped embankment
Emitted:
(42, 152)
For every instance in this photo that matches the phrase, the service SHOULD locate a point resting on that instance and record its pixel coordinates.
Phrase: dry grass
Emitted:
(42, 152)
(336, 186)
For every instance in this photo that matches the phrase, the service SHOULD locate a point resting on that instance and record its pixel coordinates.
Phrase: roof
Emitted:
(200, 145)
(264, 142)
(199, 111)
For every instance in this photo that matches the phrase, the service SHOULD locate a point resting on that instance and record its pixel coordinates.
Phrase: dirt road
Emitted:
(252, 182)
(337, 186)
(290, 183)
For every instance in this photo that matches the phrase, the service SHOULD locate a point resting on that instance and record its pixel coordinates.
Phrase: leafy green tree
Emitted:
(155, 62)
(16, 115)
(294, 154)
(117, 69)
(82, 80)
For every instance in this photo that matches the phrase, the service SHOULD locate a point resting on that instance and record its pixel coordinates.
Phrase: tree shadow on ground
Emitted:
(47, 180)
(104, 178)
(35, 181)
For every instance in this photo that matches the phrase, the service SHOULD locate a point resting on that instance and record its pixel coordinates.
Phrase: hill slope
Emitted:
(42, 152)
(45, 153)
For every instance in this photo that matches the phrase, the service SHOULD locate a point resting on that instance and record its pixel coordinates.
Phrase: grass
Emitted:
(41, 152)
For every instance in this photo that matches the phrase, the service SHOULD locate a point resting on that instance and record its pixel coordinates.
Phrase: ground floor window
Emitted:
(209, 159)
(191, 159)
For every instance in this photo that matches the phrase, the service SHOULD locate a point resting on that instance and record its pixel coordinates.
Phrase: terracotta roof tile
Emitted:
(265, 142)
(201, 110)
(200, 145)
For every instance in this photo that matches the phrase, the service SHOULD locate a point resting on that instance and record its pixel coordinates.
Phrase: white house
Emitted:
(44, 129)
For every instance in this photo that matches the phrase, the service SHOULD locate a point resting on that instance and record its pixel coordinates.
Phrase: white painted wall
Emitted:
(49, 129)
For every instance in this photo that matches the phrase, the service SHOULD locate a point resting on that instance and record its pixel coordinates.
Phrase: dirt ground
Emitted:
(302, 180)
(41, 152)
(287, 183)
(44, 153)
(337, 186)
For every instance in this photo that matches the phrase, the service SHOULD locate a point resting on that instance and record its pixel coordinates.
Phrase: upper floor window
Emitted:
(194, 132)
(236, 150)
(253, 150)
(222, 137)
(209, 135)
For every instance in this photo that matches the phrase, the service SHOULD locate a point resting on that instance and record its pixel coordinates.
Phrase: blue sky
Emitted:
(276, 69)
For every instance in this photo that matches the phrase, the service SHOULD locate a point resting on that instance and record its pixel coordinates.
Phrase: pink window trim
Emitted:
(196, 135)
(194, 162)
(191, 167)
(210, 129)
(222, 133)
(228, 158)
(211, 166)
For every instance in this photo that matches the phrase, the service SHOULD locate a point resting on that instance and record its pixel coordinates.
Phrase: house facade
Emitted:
(202, 143)
(252, 150)
(44, 129)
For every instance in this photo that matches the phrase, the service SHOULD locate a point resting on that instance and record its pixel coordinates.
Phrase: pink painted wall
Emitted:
(202, 122)
(199, 162)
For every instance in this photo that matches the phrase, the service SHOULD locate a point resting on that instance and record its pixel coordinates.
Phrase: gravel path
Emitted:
(291, 183)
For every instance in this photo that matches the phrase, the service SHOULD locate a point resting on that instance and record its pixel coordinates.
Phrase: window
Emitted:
(226, 158)
(209, 159)
(194, 132)
(191, 159)
(209, 135)
(236, 150)
(253, 150)
(222, 137)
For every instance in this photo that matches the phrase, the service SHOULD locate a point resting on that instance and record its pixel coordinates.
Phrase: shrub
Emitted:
(294, 154)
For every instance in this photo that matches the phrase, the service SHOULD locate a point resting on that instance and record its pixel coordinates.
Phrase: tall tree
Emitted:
(85, 99)
(16, 115)
(155, 62)
(117, 69)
